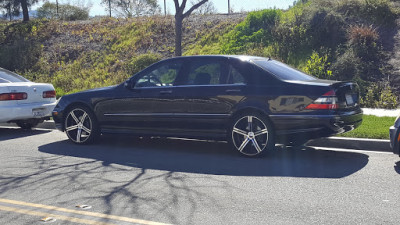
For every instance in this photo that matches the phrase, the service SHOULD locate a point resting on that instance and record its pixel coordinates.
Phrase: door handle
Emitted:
(166, 92)
(233, 90)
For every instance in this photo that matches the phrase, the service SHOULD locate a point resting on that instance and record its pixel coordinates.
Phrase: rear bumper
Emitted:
(26, 111)
(293, 127)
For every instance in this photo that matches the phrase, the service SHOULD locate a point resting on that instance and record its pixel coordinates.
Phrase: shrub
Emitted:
(65, 12)
(387, 99)
(346, 66)
(364, 41)
(378, 12)
(318, 66)
(325, 28)
(255, 29)
(379, 96)
(140, 62)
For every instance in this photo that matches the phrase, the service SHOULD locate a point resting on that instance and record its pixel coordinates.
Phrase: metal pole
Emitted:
(229, 7)
(165, 8)
(109, 6)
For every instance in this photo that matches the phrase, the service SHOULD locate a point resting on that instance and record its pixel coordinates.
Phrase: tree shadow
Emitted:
(154, 178)
(14, 133)
(215, 158)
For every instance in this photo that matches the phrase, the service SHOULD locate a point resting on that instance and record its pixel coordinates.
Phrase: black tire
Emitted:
(81, 125)
(27, 125)
(251, 134)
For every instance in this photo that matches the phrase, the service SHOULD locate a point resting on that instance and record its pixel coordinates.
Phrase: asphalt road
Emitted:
(125, 180)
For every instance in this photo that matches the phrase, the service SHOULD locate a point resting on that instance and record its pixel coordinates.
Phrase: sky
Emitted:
(221, 5)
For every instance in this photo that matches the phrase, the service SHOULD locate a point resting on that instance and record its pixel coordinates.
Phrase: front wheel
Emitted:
(81, 125)
(251, 134)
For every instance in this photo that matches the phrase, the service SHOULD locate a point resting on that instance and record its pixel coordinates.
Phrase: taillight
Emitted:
(328, 100)
(49, 94)
(13, 96)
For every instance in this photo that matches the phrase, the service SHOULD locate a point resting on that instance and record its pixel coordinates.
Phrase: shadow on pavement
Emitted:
(14, 133)
(397, 167)
(212, 158)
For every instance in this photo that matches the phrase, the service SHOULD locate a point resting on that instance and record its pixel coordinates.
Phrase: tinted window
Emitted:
(204, 73)
(282, 70)
(235, 77)
(163, 75)
(10, 77)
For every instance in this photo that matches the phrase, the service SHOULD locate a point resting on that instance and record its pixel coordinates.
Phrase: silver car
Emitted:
(24, 102)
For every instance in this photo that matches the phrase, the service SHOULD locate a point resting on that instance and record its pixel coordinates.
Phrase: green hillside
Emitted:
(344, 40)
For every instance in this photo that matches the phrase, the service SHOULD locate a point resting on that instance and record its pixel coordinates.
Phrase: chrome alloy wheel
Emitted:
(78, 125)
(250, 135)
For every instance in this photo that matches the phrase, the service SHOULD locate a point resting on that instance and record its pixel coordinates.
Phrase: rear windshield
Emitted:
(10, 77)
(282, 70)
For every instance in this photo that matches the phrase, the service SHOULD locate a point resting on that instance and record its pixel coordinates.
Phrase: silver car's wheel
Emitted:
(251, 135)
(80, 125)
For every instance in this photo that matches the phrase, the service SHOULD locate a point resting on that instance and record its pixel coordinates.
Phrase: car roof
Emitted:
(241, 57)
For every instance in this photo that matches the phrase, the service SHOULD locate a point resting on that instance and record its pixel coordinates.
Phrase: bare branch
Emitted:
(186, 14)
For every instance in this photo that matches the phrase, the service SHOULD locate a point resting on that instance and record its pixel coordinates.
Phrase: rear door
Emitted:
(213, 93)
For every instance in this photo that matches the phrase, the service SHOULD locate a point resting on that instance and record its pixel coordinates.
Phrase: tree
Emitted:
(24, 5)
(63, 12)
(11, 7)
(134, 8)
(108, 4)
(179, 16)
(205, 9)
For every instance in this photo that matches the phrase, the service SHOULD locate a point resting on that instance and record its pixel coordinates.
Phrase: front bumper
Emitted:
(26, 111)
(394, 133)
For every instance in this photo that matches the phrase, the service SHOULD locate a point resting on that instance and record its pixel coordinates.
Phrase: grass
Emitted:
(372, 127)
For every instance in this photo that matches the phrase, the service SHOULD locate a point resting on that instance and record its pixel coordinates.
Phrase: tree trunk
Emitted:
(109, 6)
(9, 13)
(25, 13)
(178, 35)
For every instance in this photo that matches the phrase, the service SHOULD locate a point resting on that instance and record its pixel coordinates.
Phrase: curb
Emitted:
(352, 143)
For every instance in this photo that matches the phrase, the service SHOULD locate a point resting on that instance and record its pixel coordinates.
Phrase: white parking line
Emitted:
(349, 150)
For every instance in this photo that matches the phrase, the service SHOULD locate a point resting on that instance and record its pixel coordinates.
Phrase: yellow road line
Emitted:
(94, 214)
(60, 217)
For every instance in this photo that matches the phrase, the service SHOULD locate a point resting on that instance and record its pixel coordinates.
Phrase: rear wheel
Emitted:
(81, 125)
(251, 134)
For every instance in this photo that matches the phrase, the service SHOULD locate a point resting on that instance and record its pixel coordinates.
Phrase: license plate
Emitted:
(38, 112)
(349, 99)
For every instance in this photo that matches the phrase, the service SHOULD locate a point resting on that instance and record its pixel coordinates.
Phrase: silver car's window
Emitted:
(10, 77)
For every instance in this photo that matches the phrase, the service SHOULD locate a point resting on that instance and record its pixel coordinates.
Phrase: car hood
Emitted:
(98, 89)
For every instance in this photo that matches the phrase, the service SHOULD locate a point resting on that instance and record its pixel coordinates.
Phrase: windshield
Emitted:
(10, 77)
(282, 70)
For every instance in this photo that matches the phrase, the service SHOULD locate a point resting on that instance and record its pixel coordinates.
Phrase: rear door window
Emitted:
(204, 72)
(235, 76)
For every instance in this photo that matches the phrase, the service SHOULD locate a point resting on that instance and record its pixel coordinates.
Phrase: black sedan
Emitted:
(251, 102)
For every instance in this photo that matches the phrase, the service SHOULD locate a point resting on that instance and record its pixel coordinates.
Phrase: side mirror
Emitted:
(128, 84)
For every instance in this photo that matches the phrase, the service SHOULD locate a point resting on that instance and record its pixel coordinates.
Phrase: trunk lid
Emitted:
(348, 94)
(34, 91)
